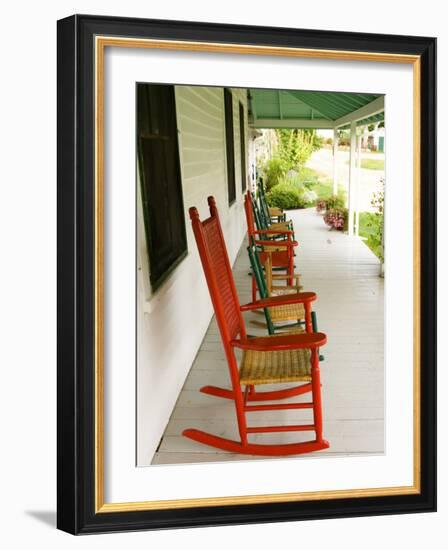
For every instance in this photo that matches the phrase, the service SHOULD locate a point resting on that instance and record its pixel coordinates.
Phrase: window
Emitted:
(243, 149)
(230, 151)
(161, 187)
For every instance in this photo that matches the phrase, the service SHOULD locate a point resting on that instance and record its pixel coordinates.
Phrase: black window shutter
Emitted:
(243, 150)
(230, 151)
(161, 186)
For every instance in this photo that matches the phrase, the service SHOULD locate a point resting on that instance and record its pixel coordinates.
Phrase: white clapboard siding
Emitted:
(350, 309)
(172, 322)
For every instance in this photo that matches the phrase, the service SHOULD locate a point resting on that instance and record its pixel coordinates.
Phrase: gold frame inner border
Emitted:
(101, 42)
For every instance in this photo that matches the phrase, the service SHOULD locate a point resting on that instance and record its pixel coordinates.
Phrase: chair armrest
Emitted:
(306, 340)
(284, 299)
(274, 232)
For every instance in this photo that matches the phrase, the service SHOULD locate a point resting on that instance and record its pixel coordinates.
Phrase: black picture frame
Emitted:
(76, 250)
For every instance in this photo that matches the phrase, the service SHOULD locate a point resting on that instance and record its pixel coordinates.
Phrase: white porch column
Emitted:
(335, 167)
(351, 179)
(358, 185)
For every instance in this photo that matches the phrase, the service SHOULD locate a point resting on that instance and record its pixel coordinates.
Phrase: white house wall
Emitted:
(172, 322)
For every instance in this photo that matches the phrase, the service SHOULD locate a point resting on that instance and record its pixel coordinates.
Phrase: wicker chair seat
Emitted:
(274, 211)
(274, 248)
(270, 367)
(288, 312)
(278, 291)
(279, 226)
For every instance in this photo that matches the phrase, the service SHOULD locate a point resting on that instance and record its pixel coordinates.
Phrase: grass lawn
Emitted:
(308, 175)
(324, 190)
(365, 230)
(316, 182)
(371, 164)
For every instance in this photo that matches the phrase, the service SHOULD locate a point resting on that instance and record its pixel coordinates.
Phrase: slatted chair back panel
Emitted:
(264, 207)
(216, 253)
(257, 270)
(263, 203)
(258, 273)
(260, 213)
(249, 215)
(260, 221)
(268, 273)
(218, 272)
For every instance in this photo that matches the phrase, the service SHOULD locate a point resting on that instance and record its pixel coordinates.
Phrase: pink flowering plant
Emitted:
(321, 205)
(336, 218)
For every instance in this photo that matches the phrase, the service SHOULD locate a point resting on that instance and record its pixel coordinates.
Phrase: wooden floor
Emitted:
(350, 310)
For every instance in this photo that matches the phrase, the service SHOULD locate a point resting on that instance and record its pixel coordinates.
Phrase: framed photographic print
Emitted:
(246, 274)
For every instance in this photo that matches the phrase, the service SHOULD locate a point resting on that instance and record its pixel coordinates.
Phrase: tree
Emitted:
(295, 146)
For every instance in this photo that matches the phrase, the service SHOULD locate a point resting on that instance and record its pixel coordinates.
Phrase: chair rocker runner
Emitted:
(265, 360)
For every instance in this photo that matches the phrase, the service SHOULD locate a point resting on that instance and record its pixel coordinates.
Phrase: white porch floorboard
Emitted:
(350, 310)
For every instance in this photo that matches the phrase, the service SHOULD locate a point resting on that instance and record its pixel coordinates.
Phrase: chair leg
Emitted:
(315, 329)
(308, 318)
(317, 399)
(291, 270)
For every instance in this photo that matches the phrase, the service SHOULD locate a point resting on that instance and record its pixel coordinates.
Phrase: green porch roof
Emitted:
(295, 109)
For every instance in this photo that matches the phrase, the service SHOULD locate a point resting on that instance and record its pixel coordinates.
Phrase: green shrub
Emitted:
(274, 170)
(286, 195)
(335, 202)
(371, 228)
(327, 203)
(372, 225)
(293, 178)
(310, 196)
(375, 238)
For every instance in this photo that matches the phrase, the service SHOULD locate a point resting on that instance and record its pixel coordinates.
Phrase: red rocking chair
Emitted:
(265, 360)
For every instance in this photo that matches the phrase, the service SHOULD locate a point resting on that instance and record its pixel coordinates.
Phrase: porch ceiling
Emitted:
(308, 109)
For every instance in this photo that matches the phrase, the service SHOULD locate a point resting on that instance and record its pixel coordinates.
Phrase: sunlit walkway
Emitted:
(350, 308)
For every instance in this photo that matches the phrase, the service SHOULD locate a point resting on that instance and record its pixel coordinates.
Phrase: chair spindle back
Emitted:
(218, 272)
